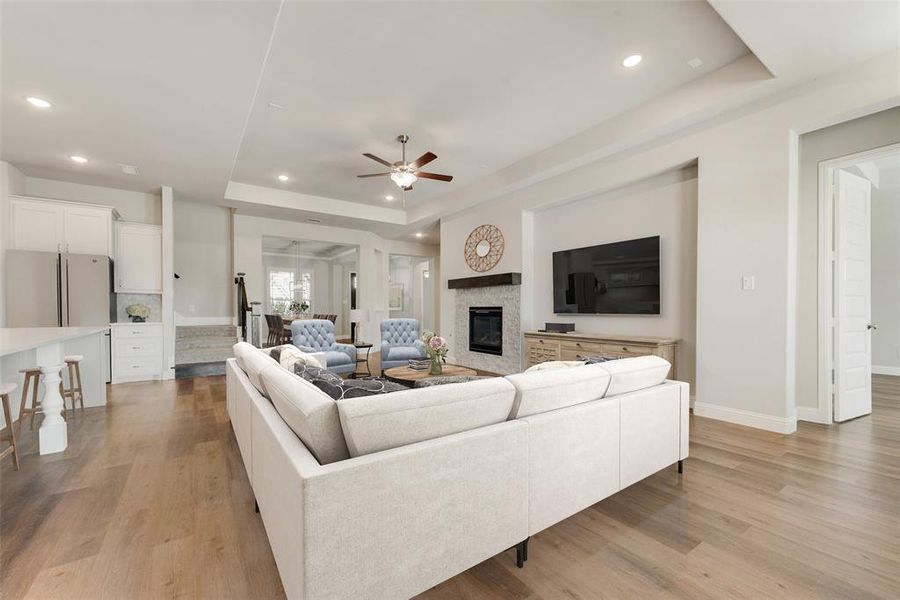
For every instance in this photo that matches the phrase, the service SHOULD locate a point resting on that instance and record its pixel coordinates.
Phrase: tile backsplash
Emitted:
(152, 301)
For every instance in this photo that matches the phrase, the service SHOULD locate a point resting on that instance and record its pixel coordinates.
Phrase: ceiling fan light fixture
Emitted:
(403, 179)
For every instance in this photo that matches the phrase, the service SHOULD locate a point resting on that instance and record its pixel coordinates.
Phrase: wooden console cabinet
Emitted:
(542, 347)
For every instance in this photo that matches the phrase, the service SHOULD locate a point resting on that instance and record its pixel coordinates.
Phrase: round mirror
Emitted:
(483, 248)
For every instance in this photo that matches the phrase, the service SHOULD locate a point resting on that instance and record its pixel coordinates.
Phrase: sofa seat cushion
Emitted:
(551, 389)
(635, 373)
(404, 353)
(335, 359)
(253, 360)
(310, 413)
(379, 423)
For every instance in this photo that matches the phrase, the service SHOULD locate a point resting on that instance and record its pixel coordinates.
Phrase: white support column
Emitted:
(168, 282)
(53, 435)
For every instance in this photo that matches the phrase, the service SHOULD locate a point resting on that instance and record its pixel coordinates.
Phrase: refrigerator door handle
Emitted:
(67, 295)
(59, 298)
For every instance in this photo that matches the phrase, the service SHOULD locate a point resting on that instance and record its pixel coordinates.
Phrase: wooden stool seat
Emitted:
(9, 436)
(73, 358)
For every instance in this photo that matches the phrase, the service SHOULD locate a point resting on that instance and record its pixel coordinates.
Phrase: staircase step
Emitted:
(196, 343)
(202, 355)
(187, 331)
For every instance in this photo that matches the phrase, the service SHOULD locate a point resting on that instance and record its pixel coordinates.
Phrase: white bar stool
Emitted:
(10, 436)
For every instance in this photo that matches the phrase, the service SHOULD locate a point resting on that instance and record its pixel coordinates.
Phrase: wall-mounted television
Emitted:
(617, 278)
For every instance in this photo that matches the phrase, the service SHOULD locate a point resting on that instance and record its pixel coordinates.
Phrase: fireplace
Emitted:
(486, 329)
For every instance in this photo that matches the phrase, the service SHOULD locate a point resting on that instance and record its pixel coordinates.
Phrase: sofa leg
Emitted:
(681, 466)
(256, 506)
(520, 555)
(525, 549)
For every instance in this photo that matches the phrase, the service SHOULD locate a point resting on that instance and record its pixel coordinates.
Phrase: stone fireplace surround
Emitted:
(506, 296)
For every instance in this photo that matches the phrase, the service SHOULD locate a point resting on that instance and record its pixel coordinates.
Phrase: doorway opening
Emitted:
(859, 275)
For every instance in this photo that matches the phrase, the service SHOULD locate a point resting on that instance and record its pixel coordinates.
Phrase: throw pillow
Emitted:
(593, 360)
(340, 389)
(288, 355)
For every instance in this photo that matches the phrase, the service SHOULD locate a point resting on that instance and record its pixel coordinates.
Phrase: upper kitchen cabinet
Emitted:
(57, 226)
(138, 260)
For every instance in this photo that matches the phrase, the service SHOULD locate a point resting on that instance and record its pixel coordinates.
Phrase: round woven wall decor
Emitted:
(484, 247)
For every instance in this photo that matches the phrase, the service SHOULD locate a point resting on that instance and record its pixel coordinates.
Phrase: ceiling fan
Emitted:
(403, 173)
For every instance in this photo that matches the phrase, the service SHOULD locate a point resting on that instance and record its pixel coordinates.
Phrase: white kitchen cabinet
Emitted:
(88, 230)
(38, 226)
(138, 258)
(136, 351)
(57, 226)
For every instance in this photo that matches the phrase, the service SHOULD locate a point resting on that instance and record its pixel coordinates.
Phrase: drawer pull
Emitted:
(625, 348)
(135, 347)
(135, 366)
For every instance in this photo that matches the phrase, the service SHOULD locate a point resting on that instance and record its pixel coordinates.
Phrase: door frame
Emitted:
(826, 256)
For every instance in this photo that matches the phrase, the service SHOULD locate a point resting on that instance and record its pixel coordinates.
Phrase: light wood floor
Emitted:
(151, 501)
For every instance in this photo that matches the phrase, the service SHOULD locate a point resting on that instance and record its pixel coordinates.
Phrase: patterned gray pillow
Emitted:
(339, 389)
(592, 360)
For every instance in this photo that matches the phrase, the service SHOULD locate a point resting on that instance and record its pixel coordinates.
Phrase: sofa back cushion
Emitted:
(549, 389)
(253, 360)
(636, 373)
(392, 420)
(309, 412)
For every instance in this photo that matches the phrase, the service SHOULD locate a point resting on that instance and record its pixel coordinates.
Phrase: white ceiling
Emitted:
(182, 89)
(325, 250)
(482, 84)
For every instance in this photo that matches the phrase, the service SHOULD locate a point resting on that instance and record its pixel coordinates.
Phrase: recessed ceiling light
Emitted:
(283, 178)
(388, 197)
(79, 159)
(632, 61)
(420, 234)
(129, 169)
(39, 102)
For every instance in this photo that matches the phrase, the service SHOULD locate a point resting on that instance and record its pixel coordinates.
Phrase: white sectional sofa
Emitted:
(386, 496)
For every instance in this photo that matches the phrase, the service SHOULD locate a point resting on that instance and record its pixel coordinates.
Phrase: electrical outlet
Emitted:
(748, 282)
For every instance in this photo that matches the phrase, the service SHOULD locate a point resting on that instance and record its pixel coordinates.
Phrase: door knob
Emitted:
(871, 326)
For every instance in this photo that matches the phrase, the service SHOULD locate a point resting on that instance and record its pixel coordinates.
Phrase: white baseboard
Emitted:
(186, 321)
(883, 370)
(746, 417)
(811, 414)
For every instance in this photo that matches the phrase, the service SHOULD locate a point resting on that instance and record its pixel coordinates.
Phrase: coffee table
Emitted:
(409, 376)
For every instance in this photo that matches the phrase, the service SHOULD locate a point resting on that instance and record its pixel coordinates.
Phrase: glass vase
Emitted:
(436, 368)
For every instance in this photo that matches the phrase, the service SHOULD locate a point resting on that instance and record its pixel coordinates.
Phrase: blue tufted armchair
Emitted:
(400, 341)
(317, 335)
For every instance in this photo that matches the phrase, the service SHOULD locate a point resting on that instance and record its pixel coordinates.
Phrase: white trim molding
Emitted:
(745, 417)
(885, 370)
(812, 414)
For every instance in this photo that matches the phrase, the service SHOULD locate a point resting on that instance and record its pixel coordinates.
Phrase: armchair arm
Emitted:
(420, 346)
(307, 349)
(348, 349)
(385, 349)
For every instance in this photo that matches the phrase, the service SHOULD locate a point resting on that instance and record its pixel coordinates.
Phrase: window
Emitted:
(281, 290)
(305, 288)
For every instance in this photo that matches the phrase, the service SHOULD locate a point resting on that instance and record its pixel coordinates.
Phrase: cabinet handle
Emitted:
(59, 247)
(135, 347)
(624, 348)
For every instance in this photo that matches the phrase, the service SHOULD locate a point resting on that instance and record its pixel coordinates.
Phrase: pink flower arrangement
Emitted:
(435, 345)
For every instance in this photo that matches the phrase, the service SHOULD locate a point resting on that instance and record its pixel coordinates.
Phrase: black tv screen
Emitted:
(617, 278)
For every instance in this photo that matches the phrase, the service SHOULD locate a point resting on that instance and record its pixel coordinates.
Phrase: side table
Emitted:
(368, 348)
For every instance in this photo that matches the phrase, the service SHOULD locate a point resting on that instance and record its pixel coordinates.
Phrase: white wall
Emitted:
(205, 293)
(858, 135)
(11, 182)
(373, 257)
(664, 205)
(747, 225)
(886, 280)
(139, 207)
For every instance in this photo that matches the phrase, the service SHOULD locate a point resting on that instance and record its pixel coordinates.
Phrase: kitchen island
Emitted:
(45, 347)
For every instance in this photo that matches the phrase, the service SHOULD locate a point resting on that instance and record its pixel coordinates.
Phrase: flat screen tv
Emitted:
(617, 278)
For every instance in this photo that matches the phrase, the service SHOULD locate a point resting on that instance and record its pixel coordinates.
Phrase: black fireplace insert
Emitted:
(486, 329)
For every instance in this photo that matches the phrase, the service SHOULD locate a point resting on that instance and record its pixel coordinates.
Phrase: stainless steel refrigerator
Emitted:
(46, 289)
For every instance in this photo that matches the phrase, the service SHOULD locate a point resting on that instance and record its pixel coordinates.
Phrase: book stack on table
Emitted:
(419, 364)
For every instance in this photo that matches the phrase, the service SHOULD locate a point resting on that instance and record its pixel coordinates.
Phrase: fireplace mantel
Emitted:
(485, 281)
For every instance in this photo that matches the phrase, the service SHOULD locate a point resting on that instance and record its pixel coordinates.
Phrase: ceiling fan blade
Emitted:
(376, 159)
(437, 176)
(423, 160)
(374, 175)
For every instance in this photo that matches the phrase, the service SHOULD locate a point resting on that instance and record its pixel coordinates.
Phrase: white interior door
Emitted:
(852, 297)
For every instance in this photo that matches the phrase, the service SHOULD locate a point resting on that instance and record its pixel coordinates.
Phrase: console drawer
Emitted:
(625, 350)
(139, 346)
(539, 351)
(138, 331)
(137, 367)
(578, 350)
